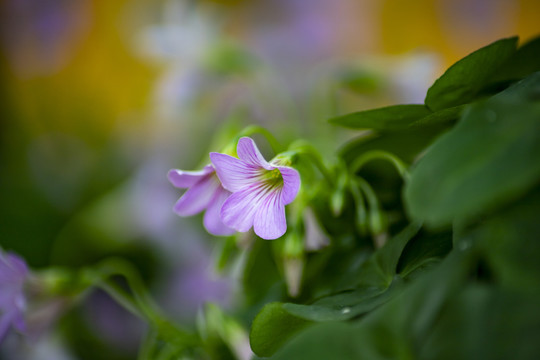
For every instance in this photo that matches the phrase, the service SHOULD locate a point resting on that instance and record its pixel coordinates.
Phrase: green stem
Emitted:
(371, 197)
(301, 147)
(400, 166)
(361, 212)
(148, 345)
(377, 218)
(256, 129)
(138, 302)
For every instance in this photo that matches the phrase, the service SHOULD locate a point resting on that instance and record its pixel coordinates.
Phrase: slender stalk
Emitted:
(400, 166)
(303, 148)
(256, 129)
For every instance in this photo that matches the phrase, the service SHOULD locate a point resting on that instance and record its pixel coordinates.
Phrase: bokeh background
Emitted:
(99, 99)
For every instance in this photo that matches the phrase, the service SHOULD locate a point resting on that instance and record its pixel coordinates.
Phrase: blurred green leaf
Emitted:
(483, 322)
(272, 327)
(344, 306)
(510, 242)
(527, 89)
(448, 115)
(278, 322)
(523, 62)
(394, 330)
(360, 81)
(260, 273)
(424, 250)
(406, 143)
(465, 79)
(380, 269)
(489, 158)
(386, 118)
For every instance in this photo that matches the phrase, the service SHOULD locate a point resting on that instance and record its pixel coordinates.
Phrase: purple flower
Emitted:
(204, 192)
(260, 190)
(13, 273)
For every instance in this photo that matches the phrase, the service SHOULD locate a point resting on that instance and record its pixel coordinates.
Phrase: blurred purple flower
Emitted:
(113, 323)
(13, 274)
(204, 192)
(295, 33)
(39, 37)
(260, 190)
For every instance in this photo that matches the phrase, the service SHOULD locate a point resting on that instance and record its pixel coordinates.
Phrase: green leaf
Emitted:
(359, 81)
(424, 250)
(386, 118)
(523, 62)
(483, 322)
(406, 143)
(461, 83)
(261, 277)
(379, 270)
(278, 322)
(527, 90)
(375, 276)
(393, 330)
(510, 242)
(272, 327)
(440, 117)
(345, 306)
(489, 158)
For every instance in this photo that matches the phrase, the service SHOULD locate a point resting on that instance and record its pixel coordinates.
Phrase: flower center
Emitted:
(273, 178)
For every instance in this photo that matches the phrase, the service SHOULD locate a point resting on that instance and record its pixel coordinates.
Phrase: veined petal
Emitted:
(291, 184)
(185, 179)
(197, 198)
(212, 220)
(269, 222)
(247, 151)
(240, 208)
(234, 173)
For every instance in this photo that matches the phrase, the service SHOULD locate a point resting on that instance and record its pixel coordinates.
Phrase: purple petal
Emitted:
(291, 184)
(269, 222)
(197, 198)
(5, 322)
(18, 265)
(212, 220)
(18, 322)
(13, 269)
(184, 179)
(240, 208)
(234, 173)
(247, 151)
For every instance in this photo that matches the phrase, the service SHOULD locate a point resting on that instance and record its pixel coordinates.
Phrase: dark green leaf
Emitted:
(465, 79)
(261, 276)
(510, 241)
(277, 322)
(344, 306)
(489, 158)
(406, 143)
(374, 278)
(272, 327)
(386, 118)
(425, 249)
(523, 62)
(483, 322)
(441, 116)
(379, 270)
(393, 330)
(346, 341)
(527, 90)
